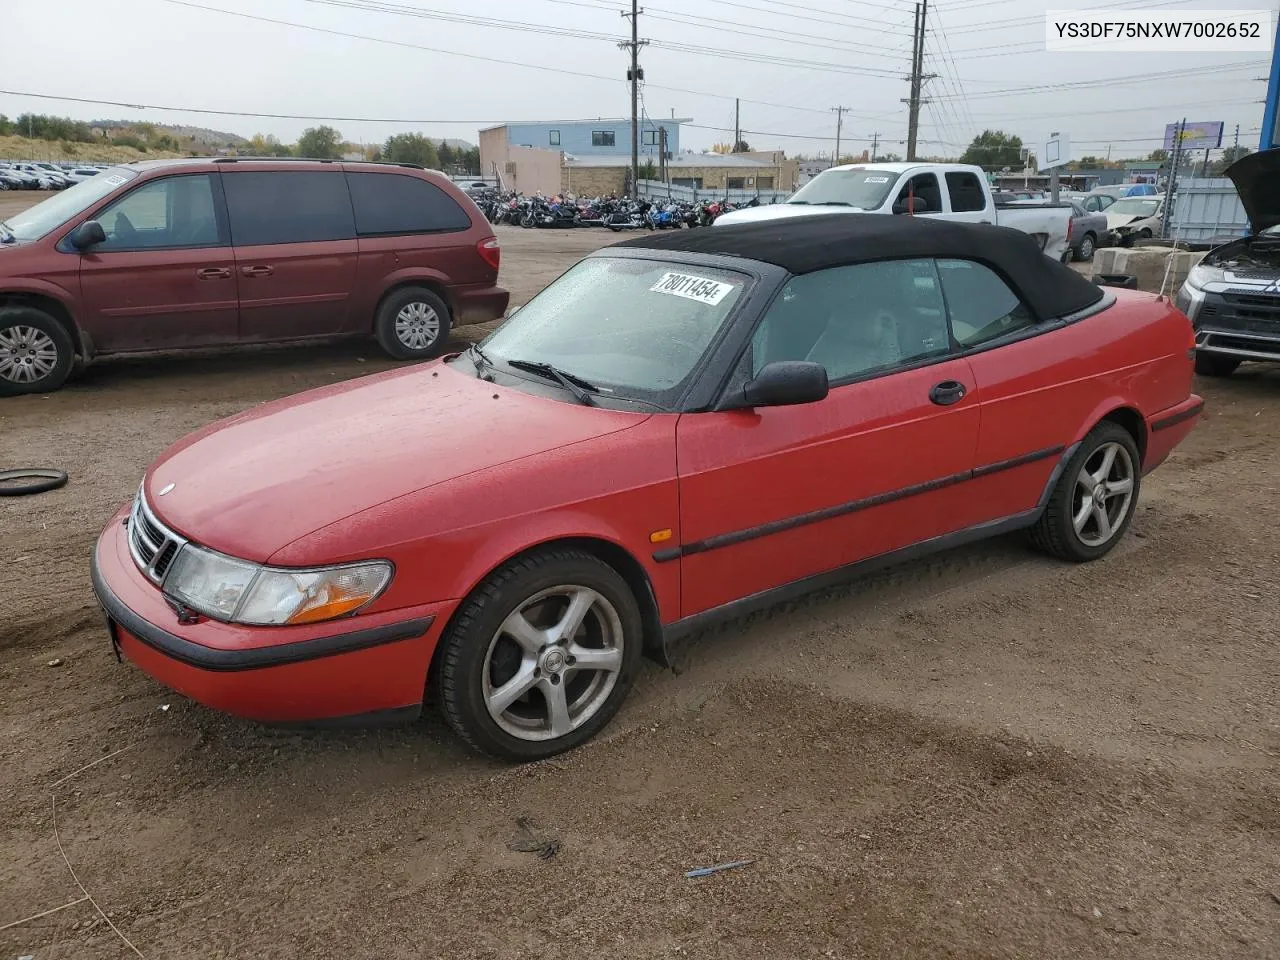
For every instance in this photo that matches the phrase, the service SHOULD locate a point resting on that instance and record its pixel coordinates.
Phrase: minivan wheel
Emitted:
(36, 352)
(541, 655)
(1094, 500)
(412, 324)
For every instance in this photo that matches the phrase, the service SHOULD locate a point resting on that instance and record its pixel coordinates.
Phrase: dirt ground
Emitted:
(987, 754)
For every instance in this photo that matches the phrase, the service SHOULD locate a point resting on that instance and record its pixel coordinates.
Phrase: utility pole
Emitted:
(634, 76)
(875, 142)
(1173, 175)
(917, 79)
(839, 112)
(737, 124)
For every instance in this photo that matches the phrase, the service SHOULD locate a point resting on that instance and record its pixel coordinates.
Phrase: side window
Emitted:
(924, 187)
(396, 203)
(856, 320)
(602, 138)
(172, 212)
(980, 304)
(967, 195)
(553, 138)
(288, 206)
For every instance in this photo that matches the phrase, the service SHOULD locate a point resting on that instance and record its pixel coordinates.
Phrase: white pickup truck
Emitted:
(948, 191)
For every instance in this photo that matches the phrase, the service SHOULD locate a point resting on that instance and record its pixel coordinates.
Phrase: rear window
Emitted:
(286, 206)
(396, 203)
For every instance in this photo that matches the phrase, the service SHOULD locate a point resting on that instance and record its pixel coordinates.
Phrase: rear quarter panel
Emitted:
(1050, 390)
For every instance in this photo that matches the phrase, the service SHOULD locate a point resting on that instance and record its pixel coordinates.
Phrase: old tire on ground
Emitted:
(28, 480)
(1094, 500)
(1088, 245)
(36, 352)
(1215, 365)
(540, 656)
(413, 323)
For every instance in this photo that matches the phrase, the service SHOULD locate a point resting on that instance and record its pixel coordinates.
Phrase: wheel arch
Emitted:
(46, 303)
(436, 284)
(621, 560)
(1123, 415)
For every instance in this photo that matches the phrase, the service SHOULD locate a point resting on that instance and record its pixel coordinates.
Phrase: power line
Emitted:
(1111, 81)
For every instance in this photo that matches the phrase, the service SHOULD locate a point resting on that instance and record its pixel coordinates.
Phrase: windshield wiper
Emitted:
(6, 233)
(571, 382)
(834, 203)
(480, 358)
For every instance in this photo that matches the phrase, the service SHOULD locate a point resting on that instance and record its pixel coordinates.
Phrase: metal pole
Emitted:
(913, 103)
(839, 112)
(737, 124)
(875, 141)
(1173, 174)
(634, 76)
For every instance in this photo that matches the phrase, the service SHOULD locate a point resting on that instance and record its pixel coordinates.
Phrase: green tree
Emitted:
(1089, 163)
(647, 171)
(742, 147)
(446, 155)
(1161, 155)
(888, 158)
(6, 126)
(320, 143)
(470, 162)
(994, 149)
(411, 148)
(1229, 156)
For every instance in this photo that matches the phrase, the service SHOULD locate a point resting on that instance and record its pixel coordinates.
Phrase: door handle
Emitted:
(213, 273)
(947, 392)
(260, 270)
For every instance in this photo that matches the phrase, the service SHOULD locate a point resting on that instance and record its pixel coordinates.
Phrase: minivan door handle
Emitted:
(947, 392)
(213, 273)
(259, 270)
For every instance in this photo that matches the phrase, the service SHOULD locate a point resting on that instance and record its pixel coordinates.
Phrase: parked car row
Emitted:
(37, 175)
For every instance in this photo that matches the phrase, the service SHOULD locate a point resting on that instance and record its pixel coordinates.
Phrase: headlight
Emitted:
(233, 590)
(1201, 275)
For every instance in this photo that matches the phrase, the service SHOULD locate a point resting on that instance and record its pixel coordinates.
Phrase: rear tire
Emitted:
(1215, 365)
(1094, 500)
(412, 323)
(36, 352)
(540, 656)
(1088, 245)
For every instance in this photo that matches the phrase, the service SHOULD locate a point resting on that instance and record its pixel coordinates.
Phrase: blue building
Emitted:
(587, 138)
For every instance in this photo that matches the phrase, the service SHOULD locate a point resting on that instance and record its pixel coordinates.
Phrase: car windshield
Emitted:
(633, 329)
(34, 222)
(862, 187)
(1135, 206)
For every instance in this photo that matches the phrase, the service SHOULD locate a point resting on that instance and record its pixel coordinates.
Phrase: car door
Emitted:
(1033, 383)
(164, 277)
(294, 238)
(773, 495)
(968, 197)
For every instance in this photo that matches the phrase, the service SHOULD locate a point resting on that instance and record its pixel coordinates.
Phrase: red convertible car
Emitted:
(680, 428)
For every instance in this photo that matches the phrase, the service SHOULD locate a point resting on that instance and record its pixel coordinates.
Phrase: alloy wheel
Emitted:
(553, 663)
(27, 354)
(1103, 494)
(417, 325)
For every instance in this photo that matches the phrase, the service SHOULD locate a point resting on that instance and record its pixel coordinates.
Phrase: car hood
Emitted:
(1117, 220)
(250, 485)
(780, 211)
(1257, 180)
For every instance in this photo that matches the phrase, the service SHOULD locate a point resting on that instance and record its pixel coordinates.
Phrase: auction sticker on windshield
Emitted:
(701, 289)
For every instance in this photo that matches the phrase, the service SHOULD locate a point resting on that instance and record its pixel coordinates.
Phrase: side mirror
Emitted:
(785, 383)
(910, 205)
(87, 234)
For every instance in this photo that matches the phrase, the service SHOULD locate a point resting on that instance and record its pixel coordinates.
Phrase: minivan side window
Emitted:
(288, 206)
(981, 305)
(388, 204)
(172, 212)
(966, 191)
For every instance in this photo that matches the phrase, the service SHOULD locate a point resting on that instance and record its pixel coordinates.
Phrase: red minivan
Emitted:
(171, 254)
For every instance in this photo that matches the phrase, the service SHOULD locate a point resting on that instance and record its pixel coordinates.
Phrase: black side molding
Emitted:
(1189, 414)
(852, 506)
(207, 658)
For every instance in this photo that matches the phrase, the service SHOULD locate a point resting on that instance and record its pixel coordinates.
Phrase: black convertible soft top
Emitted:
(808, 243)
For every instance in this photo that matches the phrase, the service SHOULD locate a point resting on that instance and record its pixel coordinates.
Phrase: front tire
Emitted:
(413, 323)
(1094, 500)
(541, 655)
(1215, 365)
(36, 352)
(1088, 245)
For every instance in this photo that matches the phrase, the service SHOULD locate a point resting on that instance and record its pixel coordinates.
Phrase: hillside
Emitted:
(200, 135)
(22, 148)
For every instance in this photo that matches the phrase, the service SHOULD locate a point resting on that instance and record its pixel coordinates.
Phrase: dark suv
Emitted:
(170, 254)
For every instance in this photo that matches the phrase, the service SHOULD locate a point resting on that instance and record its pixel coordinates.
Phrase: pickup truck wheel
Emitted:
(540, 656)
(1093, 502)
(36, 352)
(412, 324)
(1087, 247)
(1215, 365)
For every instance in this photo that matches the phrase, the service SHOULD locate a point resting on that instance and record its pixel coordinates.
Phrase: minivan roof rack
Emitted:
(385, 163)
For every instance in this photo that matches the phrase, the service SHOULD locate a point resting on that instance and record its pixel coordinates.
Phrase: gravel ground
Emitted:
(986, 754)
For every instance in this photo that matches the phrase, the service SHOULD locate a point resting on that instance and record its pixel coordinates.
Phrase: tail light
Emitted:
(490, 251)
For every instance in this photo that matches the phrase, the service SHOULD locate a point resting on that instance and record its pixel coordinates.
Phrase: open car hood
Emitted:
(1257, 180)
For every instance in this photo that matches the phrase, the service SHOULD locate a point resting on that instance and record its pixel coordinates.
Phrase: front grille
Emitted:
(152, 544)
(1247, 313)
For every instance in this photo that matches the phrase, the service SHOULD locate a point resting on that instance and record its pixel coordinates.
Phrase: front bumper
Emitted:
(1241, 323)
(366, 666)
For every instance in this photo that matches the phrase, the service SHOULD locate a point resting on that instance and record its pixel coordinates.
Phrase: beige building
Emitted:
(601, 176)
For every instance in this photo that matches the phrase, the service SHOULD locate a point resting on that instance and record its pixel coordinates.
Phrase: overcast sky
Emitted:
(789, 62)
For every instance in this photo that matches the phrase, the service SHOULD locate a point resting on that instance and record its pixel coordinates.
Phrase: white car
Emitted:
(945, 191)
(1135, 218)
